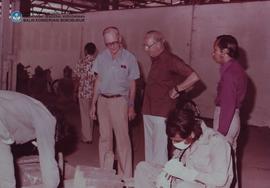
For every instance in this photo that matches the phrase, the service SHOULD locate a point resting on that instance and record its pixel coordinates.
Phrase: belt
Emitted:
(111, 96)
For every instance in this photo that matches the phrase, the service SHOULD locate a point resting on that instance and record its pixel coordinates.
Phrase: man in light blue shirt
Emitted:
(114, 93)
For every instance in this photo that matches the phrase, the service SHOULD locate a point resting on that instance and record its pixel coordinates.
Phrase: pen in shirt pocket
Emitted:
(123, 66)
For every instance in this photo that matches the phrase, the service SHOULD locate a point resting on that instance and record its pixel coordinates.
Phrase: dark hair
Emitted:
(39, 71)
(183, 122)
(90, 48)
(67, 71)
(229, 42)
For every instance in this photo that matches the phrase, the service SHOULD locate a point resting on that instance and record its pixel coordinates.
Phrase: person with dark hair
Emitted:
(49, 81)
(168, 76)
(65, 88)
(90, 48)
(23, 119)
(22, 78)
(38, 85)
(202, 157)
(231, 90)
(114, 94)
(85, 85)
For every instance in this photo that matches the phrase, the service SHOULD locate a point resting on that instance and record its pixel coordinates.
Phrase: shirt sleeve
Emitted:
(182, 68)
(228, 98)
(95, 67)
(4, 133)
(220, 162)
(92, 64)
(45, 131)
(134, 72)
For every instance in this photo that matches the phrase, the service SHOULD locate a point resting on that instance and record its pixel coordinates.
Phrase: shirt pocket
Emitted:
(121, 72)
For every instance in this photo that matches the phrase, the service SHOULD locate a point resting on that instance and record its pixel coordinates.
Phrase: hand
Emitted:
(177, 169)
(173, 93)
(8, 141)
(5, 137)
(93, 112)
(131, 113)
(163, 180)
(172, 164)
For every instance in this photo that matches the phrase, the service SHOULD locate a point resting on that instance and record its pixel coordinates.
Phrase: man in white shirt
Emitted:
(22, 119)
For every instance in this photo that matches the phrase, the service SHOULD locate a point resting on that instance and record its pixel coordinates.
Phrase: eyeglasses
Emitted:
(147, 47)
(110, 44)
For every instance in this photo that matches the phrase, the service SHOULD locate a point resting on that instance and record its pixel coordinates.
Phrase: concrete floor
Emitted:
(253, 156)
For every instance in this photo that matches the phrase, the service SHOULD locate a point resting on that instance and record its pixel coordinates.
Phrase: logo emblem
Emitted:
(16, 16)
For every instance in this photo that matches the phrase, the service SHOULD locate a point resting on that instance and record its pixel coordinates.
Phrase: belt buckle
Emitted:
(111, 96)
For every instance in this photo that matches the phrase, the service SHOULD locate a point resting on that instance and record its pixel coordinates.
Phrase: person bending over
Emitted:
(23, 119)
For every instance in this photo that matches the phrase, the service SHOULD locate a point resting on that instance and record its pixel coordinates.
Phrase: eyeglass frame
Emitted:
(147, 47)
(110, 44)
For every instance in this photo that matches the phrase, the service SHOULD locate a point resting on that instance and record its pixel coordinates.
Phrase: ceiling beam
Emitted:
(53, 8)
(161, 2)
(71, 4)
(40, 12)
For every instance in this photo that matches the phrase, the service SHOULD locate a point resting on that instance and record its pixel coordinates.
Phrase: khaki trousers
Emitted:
(86, 122)
(113, 117)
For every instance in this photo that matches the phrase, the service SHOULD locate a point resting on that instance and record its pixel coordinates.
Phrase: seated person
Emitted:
(202, 157)
(65, 87)
(38, 84)
(22, 78)
(22, 119)
(49, 80)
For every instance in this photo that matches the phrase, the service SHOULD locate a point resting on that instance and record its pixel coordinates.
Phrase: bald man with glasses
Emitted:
(114, 93)
(168, 76)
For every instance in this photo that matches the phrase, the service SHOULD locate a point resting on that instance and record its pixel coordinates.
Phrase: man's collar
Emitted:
(118, 54)
(162, 54)
(226, 65)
